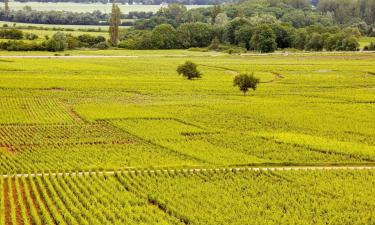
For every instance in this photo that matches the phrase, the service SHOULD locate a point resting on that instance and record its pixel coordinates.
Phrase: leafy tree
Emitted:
(72, 42)
(264, 39)
(299, 4)
(283, 35)
(299, 38)
(216, 10)
(194, 35)
(137, 39)
(330, 44)
(245, 82)
(87, 40)
(114, 24)
(232, 26)
(188, 70)
(164, 37)
(51, 45)
(350, 44)
(221, 19)
(215, 44)
(58, 42)
(173, 13)
(149, 24)
(193, 16)
(6, 8)
(316, 42)
(31, 36)
(11, 34)
(243, 35)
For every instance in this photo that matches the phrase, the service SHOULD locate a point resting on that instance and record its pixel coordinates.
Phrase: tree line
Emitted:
(361, 12)
(143, 2)
(232, 29)
(172, 28)
(28, 15)
(297, 13)
(16, 41)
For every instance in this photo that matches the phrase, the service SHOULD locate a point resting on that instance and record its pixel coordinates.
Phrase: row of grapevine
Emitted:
(25, 137)
(150, 128)
(91, 157)
(74, 200)
(237, 197)
(33, 110)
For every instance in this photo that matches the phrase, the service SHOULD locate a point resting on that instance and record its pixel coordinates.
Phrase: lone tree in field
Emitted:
(189, 70)
(245, 82)
(114, 23)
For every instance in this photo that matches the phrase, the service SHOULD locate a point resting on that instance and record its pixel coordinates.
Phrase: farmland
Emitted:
(136, 117)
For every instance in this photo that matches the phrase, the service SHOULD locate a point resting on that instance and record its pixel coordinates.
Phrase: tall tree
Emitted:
(114, 23)
(216, 10)
(264, 39)
(6, 7)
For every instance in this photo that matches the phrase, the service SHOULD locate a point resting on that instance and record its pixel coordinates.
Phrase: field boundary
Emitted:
(193, 170)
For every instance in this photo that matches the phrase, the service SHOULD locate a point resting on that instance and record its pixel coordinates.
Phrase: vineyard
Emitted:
(172, 197)
(131, 114)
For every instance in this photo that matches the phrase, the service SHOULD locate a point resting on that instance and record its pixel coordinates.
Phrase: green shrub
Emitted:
(189, 70)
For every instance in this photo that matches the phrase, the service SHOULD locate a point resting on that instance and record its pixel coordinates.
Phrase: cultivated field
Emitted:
(135, 115)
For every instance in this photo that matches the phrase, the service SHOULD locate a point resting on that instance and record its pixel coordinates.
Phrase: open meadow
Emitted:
(155, 145)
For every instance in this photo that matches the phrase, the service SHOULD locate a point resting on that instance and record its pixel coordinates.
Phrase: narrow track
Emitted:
(112, 172)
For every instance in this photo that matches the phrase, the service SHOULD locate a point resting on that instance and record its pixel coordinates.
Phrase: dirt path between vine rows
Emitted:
(195, 170)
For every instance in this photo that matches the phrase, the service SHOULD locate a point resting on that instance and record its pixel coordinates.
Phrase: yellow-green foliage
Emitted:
(217, 197)
(124, 114)
(111, 113)
(222, 196)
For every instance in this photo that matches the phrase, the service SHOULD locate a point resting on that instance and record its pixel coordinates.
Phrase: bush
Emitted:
(89, 41)
(72, 42)
(58, 42)
(245, 82)
(137, 40)
(235, 50)
(21, 46)
(11, 34)
(164, 37)
(102, 45)
(189, 70)
(31, 36)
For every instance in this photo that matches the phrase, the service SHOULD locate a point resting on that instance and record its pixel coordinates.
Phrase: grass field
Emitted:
(83, 7)
(120, 114)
